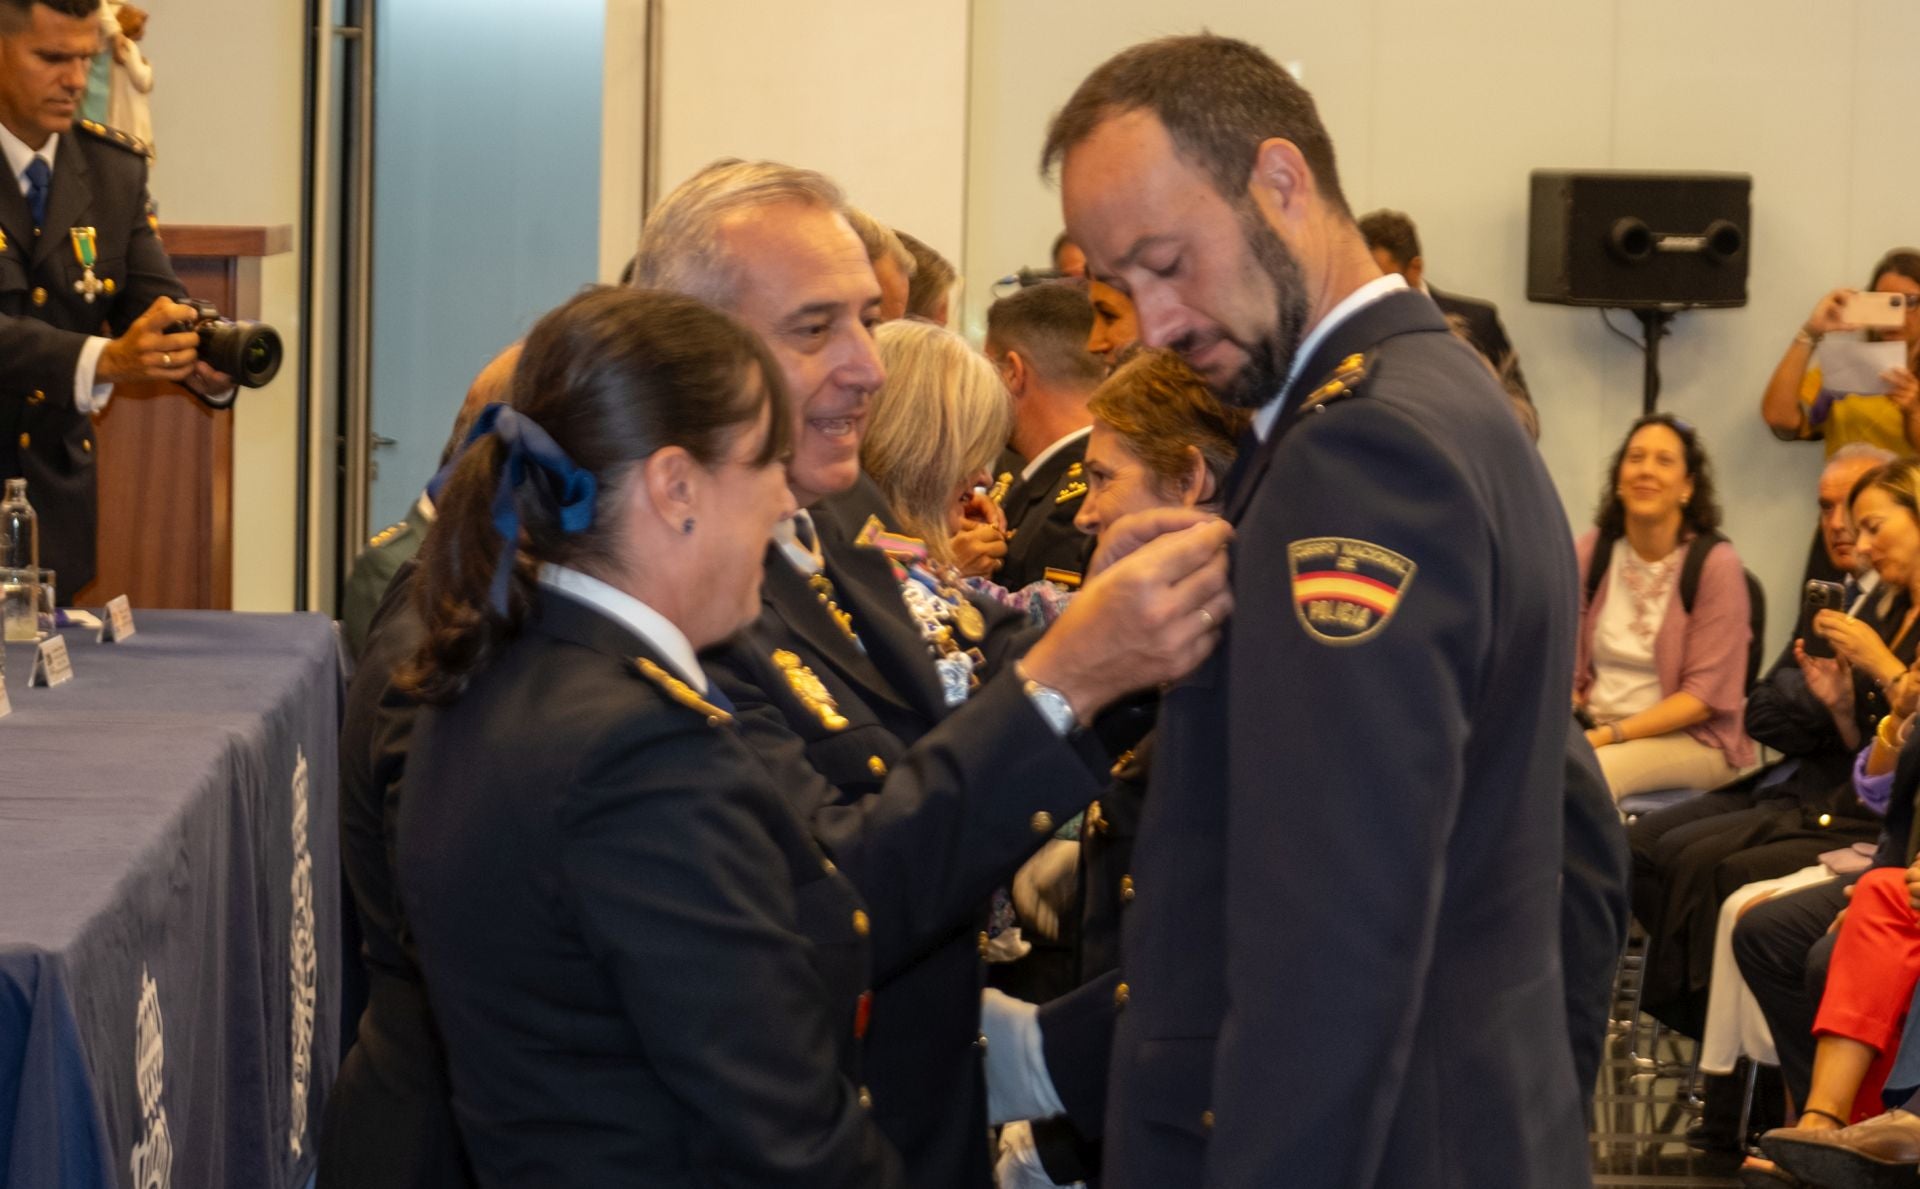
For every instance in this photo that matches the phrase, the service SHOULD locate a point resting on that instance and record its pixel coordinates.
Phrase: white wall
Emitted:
(870, 92)
(227, 123)
(1441, 110)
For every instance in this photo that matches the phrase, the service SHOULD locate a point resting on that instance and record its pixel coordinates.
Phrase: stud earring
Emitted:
(686, 526)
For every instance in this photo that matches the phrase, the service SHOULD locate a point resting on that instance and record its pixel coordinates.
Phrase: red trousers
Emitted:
(1876, 963)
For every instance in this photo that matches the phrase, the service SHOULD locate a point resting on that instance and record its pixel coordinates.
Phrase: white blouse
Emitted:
(1639, 594)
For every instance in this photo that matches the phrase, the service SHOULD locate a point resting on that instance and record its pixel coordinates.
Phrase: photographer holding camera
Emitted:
(77, 252)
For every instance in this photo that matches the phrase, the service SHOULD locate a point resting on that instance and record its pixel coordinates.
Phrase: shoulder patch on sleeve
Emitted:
(681, 692)
(1345, 590)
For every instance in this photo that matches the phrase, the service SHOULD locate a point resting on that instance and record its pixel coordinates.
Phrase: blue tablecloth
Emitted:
(169, 904)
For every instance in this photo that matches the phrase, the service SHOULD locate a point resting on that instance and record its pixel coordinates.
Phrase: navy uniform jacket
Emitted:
(1040, 512)
(643, 966)
(926, 809)
(1341, 964)
(99, 181)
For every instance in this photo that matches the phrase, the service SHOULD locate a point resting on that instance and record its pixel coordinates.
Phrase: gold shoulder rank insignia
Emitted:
(1066, 578)
(114, 136)
(811, 691)
(1346, 377)
(1070, 492)
(681, 692)
(3, 241)
(386, 535)
(1001, 486)
(1345, 591)
(1073, 472)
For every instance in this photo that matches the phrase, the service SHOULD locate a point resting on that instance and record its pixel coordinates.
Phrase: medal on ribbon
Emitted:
(88, 286)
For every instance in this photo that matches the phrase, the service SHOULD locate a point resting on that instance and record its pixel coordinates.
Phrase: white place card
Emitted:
(117, 624)
(51, 664)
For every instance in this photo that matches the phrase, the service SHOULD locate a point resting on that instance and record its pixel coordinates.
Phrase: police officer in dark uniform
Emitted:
(641, 962)
(1340, 964)
(78, 252)
(930, 801)
(1037, 338)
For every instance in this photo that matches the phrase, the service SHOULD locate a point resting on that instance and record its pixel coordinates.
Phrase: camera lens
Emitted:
(248, 351)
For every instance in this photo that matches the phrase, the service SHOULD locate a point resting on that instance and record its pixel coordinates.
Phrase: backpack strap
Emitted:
(1697, 551)
(1597, 565)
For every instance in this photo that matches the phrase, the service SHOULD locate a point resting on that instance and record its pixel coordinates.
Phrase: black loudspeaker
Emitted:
(1638, 240)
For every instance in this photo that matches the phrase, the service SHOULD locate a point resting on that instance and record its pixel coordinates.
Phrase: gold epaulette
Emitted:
(1345, 378)
(681, 692)
(114, 136)
(386, 535)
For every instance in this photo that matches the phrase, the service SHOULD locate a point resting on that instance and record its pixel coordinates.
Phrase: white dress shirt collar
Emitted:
(643, 621)
(19, 156)
(786, 534)
(1040, 459)
(1348, 306)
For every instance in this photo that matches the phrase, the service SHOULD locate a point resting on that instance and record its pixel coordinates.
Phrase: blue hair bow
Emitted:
(527, 446)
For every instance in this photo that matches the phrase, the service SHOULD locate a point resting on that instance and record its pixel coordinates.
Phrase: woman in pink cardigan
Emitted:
(1664, 687)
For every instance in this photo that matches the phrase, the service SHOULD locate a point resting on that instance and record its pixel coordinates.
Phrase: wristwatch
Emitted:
(1050, 702)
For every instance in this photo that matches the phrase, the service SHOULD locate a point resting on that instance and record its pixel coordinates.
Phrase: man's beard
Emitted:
(1271, 357)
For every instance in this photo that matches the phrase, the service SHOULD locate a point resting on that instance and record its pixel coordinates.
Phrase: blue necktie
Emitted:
(38, 176)
(718, 696)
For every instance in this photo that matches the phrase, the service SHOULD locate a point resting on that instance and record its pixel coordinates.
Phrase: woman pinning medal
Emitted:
(641, 963)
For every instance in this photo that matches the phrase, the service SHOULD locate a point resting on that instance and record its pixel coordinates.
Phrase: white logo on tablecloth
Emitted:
(152, 1156)
(304, 972)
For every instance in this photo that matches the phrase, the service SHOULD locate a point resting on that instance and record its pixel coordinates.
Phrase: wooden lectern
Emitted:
(166, 460)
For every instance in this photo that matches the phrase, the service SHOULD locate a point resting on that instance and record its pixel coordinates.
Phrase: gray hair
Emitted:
(680, 249)
(1860, 452)
(880, 241)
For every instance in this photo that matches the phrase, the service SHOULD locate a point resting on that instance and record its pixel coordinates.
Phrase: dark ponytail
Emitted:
(611, 377)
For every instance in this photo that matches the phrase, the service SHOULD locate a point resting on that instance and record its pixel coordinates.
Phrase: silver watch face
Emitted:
(1052, 705)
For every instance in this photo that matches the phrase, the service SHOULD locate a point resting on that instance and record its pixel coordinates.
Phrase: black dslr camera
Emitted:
(248, 351)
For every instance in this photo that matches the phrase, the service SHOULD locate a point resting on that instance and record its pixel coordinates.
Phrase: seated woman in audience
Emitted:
(1663, 683)
(1876, 958)
(642, 964)
(1796, 405)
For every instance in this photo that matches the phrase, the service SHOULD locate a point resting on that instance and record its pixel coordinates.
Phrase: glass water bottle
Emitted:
(19, 565)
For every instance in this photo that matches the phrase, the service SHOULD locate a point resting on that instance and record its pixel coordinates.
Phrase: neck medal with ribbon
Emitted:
(88, 286)
(936, 605)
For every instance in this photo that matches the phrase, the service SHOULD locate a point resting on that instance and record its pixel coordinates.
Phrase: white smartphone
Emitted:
(1875, 311)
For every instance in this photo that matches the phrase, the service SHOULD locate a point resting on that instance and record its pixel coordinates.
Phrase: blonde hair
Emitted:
(680, 249)
(942, 415)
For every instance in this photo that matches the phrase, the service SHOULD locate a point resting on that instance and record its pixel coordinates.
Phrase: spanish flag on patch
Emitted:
(1344, 590)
